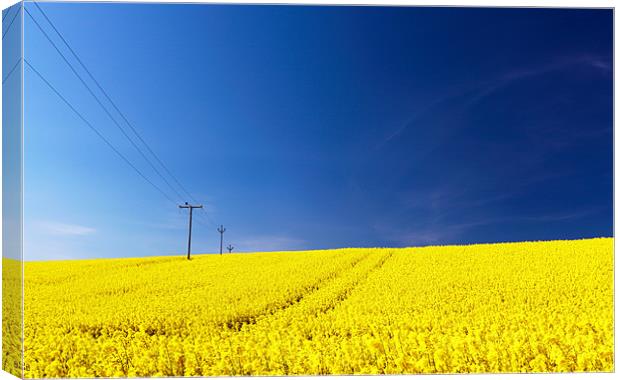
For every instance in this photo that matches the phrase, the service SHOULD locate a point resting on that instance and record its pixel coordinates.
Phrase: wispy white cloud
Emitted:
(434, 233)
(268, 243)
(447, 232)
(65, 229)
(597, 62)
(471, 95)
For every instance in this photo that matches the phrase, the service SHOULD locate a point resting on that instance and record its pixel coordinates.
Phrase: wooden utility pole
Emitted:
(189, 238)
(230, 248)
(221, 230)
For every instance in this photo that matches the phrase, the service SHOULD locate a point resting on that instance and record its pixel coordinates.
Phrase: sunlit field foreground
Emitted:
(521, 307)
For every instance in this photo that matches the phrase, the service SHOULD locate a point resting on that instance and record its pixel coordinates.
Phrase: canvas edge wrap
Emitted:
(12, 191)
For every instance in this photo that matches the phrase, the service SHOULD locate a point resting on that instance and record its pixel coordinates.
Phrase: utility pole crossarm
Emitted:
(190, 206)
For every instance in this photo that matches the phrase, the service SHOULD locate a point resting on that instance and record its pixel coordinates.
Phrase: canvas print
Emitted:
(225, 190)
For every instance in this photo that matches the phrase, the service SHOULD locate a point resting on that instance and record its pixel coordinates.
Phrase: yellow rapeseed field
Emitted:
(515, 307)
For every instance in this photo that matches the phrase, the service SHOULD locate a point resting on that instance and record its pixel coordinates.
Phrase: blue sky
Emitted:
(320, 127)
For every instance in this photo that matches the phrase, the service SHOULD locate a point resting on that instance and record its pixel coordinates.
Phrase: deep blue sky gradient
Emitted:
(321, 127)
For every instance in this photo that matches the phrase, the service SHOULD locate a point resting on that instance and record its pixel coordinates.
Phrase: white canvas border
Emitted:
(478, 3)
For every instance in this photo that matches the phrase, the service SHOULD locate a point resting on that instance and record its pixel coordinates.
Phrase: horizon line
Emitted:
(183, 255)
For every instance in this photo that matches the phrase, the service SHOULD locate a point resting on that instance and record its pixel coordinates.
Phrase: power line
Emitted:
(209, 220)
(126, 120)
(101, 104)
(12, 20)
(129, 124)
(133, 129)
(205, 222)
(11, 71)
(6, 13)
(97, 132)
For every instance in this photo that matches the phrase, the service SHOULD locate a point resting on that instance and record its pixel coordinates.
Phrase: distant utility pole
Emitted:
(230, 248)
(189, 239)
(221, 230)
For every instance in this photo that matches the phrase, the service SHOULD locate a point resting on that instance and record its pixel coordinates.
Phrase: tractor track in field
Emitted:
(238, 323)
(341, 297)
